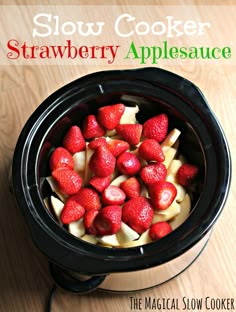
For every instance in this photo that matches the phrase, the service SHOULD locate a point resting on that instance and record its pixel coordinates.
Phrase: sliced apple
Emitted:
(169, 155)
(111, 133)
(185, 207)
(54, 188)
(171, 138)
(57, 206)
(109, 240)
(129, 115)
(46, 201)
(144, 190)
(180, 192)
(79, 161)
(89, 238)
(167, 214)
(143, 239)
(174, 167)
(126, 234)
(87, 172)
(117, 181)
(77, 228)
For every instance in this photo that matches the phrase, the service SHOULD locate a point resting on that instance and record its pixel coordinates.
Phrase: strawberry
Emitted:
(117, 147)
(109, 116)
(150, 150)
(113, 195)
(128, 163)
(97, 142)
(72, 211)
(153, 173)
(187, 174)
(69, 181)
(61, 158)
(88, 198)
(138, 214)
(130, 132)
(74, 141)
(131, 187)
(156, 127)
(162, 194)
(159, 230)
(91, 128)
(108, 220)
(89, 217)
(102, 163)
(100, 183)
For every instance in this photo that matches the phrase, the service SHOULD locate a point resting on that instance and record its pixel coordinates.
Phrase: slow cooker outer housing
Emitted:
(154, 90)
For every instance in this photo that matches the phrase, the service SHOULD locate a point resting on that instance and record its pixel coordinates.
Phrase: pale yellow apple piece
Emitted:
(144, 190)
(57, 206)
(89, 238)
(117, 181)
(111, 133)
(87, 172)
(174, 167)
(54, 188)
(169, 155)
(185, 207)
(109, 240)
(77, 228)
(46, 201)
(79, 161)
(171, 138)
(143, 239)
(126, 234)
(167, 214)
(181, 191)
(129, 115)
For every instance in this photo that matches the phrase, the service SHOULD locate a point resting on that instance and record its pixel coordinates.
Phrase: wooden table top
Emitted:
(25, 281)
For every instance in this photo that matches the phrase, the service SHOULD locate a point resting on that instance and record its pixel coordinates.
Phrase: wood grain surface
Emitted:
(25, 281)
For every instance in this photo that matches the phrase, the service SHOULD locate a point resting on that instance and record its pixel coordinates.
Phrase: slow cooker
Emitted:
(79, 266)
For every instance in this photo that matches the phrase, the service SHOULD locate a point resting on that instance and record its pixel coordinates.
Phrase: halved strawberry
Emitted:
(102, 163)
(69, 181)
(74, 141)
(61, 158)
(89, 217)
(108, 220)
(153, 173)
(186, 174)
(88, 198)
(130, 132)
(117, 147)
(131, 187)
(150, 150)
(72, 211)
(159, 230)
(156, 127)
(97, 142)
(128, 163)
(91, 128)
(113, 195)
(162, 194)
(138, 214)
(109, 116)
(100, 183)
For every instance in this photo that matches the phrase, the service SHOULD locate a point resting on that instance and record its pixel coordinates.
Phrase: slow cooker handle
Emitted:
(69, 283)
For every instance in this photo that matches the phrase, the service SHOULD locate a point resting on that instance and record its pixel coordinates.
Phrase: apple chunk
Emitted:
(167, 214)
(79, 161)
(77, 228)
(126, 234)
(185, 207)
(129, 115)
(57, 206)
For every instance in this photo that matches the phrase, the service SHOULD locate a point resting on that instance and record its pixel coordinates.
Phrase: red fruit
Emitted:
(88, 198)
(89, 217)
(69, 181)
(159, 230)
(100, 183)
(153, 173)
(156, 127)
(97, 142)
(74, 141)
(91, 128)
(150, 150)
(128, 163)
(117, 147)
(109, 116)
(162, 194)
(102, 163)
(61, 158)
(72, 211)
(130, 132)
(113, 195)
(187, 174)
(131, 187)
(138, 214)
(108, 220)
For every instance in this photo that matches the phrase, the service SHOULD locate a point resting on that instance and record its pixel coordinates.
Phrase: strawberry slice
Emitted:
(113, 195)
(102, 163)
(156, 127)
(69, 181)
(100, 183)
(61, 158)
(108, 220)
(91, 128)
(97, 142)
(186, 174)
(128, 163)
(117, 147)
(130, 132)
(138, 214)
(153, 173)
(150, 150)
(162, 194)
(72, 211)
(88, 198)
(131, 187)
(109, 116)
(74, 141)
(159, 230)
(89, 217)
